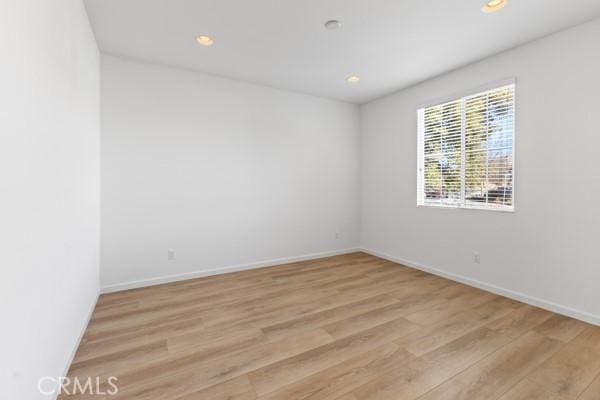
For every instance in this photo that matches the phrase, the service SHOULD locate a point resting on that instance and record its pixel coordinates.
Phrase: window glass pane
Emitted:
(442, 153)
(488, 148)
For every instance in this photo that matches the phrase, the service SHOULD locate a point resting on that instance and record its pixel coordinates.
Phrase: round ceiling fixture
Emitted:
(494, 5)
(353, 79)
(333, 24)
(204, 40)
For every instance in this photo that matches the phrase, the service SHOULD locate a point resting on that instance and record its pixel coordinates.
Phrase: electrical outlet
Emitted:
(476, 257)
(171, 255)
(337, 235)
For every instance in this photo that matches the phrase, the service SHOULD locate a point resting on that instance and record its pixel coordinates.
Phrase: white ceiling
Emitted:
(390, 44)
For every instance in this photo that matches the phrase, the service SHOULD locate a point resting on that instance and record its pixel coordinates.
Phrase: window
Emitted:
(466, 151)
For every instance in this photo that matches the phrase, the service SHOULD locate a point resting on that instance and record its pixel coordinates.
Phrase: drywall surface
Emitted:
(227, 174)
(50, 189)
(544, 252)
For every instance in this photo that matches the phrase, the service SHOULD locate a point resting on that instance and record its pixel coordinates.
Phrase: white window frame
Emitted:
(463, 96)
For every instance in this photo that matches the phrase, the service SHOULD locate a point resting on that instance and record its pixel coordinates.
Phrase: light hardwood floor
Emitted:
(349, 327)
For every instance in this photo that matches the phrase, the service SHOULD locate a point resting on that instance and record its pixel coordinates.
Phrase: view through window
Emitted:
(466, 151)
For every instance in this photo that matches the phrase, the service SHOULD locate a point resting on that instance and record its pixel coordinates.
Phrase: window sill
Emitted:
(453, 207)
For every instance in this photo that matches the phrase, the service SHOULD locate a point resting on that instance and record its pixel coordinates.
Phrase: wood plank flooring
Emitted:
(349, 327)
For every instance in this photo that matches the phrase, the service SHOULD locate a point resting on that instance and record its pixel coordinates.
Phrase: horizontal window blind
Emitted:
(466, 151)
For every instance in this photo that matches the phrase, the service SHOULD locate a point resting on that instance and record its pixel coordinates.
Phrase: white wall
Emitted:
(226, 173)
(547, 249)
(49, 183)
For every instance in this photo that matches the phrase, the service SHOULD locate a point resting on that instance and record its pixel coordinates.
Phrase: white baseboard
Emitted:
(217, 271)
(78, 342)
(534, 301)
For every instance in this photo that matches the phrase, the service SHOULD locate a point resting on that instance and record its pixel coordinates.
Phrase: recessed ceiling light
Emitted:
(353, 79)
(333, 24)
(205, 40)
(494, 5)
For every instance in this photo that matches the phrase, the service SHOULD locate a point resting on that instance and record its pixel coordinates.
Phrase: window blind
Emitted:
(466, 151)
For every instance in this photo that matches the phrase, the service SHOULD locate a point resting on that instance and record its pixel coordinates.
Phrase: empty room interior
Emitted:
(300, 200)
